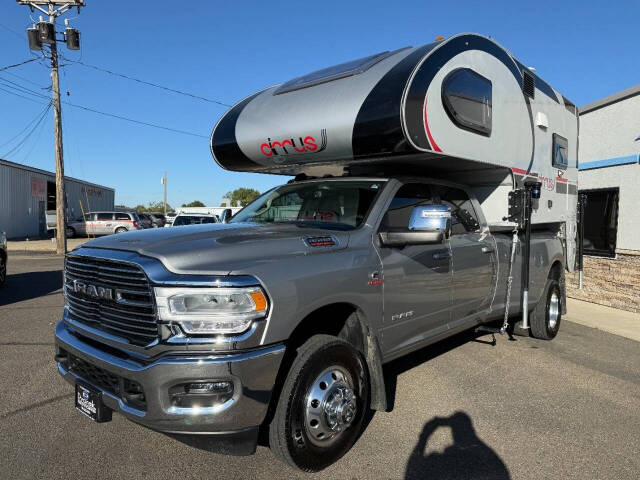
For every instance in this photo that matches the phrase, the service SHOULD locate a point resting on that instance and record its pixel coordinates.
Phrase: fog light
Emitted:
(199, 396)
(209, 388)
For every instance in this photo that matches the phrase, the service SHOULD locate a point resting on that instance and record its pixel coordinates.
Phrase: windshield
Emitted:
(330, 204)
(193, 220)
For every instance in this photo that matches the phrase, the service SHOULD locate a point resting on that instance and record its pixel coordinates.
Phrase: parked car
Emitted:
(158, 220)
(145, 220)
(104, 223)
(3, 258)
(193, 219)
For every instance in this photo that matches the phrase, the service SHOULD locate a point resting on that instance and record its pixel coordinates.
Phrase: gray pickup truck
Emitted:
(283, 316)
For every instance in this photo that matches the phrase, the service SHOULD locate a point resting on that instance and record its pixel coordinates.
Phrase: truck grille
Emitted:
(111, 296)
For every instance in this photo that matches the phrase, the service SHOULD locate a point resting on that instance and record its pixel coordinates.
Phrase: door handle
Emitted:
(441, 255)
(487, 249)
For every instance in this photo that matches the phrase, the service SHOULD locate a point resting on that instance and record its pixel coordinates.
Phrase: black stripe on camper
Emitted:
(446, 51)
(561, 187)
(377, 129)
(224, 144)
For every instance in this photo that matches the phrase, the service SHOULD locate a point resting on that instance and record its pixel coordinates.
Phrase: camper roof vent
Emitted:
(528, 84)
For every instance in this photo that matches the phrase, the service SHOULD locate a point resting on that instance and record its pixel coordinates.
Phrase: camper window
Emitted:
(560, 154)
(466, 96)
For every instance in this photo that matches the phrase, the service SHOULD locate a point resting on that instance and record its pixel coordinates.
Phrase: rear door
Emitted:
(474, 264)
(416, 279)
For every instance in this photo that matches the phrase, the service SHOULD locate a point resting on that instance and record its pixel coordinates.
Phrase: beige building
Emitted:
(609, 176)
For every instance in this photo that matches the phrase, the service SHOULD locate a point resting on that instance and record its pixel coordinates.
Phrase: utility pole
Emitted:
(45, 33)
(164, 182)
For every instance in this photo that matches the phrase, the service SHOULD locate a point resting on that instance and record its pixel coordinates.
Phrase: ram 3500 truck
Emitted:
(282, 316)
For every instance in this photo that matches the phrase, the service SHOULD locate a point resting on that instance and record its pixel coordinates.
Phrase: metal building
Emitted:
(609, 173)
(27, 194)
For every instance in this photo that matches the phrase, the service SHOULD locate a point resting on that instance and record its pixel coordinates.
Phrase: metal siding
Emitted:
(19, 209)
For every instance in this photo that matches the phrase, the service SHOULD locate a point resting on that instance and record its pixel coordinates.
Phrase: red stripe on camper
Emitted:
(560, 179)
(520, 171)
(426, 127)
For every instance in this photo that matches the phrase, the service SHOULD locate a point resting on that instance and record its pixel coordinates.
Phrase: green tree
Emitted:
(153, 207)
(243, 195)
(195, 203)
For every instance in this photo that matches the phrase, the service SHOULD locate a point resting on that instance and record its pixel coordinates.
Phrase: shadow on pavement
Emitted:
(396, 367)
(26, 286)
(468, 457)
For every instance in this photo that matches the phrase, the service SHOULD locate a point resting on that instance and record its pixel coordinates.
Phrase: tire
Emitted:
(71, 232)
(545, 318)
(121, 230)
(3, 270)
(324, 374)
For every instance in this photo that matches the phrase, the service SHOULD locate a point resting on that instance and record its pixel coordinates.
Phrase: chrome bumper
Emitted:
(253, 374)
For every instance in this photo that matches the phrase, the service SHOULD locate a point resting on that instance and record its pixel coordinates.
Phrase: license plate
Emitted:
(89, 402)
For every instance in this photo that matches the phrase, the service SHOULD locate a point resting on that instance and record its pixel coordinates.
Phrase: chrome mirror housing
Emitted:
(431, 218)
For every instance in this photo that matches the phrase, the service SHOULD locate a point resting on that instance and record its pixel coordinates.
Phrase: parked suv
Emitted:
(145, 220)
(157, 219)
(3, 257)
(104, 223)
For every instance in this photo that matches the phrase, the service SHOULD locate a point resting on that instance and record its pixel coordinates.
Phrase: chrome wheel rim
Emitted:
(330, 406)
(554, 310)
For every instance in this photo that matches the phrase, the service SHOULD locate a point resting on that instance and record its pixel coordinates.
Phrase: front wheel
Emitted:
(545, 319)
(321, 410)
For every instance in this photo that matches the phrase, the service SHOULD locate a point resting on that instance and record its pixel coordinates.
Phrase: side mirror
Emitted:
(430, 224)
(225, 215)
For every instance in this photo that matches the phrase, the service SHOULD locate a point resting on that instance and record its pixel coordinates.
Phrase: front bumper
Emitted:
(252, 373)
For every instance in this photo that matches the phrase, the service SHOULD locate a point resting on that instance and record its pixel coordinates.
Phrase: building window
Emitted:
(560, 153)
(466, 96)
(601, 222)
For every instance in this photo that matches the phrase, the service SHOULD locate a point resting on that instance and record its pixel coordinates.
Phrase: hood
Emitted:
(221, 249)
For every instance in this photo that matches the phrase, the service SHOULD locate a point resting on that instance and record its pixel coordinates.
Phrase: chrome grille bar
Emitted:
(111, 296)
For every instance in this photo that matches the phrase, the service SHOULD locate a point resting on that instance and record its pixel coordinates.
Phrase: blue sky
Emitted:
(227, 50)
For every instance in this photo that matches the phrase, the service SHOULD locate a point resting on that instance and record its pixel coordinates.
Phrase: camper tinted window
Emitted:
(467, 98)
(560, 154)
(342, 70)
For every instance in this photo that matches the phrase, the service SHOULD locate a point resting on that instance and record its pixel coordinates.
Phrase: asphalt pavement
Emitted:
(463, 409)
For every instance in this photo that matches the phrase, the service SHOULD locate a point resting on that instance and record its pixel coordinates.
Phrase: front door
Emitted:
(416, 279)
(474, 273)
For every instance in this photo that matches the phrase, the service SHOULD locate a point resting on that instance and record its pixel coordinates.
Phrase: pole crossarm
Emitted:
(52, 11)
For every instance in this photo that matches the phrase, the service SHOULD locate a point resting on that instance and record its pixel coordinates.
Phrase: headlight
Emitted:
(211, 310)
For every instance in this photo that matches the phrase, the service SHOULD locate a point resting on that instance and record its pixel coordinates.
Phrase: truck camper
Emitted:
(434, 191)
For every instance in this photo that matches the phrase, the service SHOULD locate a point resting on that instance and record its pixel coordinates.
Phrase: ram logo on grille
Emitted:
(93, 290)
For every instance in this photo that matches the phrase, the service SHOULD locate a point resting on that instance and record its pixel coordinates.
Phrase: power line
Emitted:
(11, 30)
(18, 64)
(25, 128)
(22, 142)
(113, 115)
(24, 90)
(144, 82)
